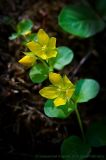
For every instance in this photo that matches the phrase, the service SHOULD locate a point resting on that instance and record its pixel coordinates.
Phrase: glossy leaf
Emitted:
(38, 73)
(73, 148)
(58, 112)
(80, 20)
(64, 57)
(86, 89)
(96, 134)
(24, 27)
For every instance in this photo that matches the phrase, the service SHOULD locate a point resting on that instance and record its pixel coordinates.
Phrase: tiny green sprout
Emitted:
(23, 28)
(61, 89)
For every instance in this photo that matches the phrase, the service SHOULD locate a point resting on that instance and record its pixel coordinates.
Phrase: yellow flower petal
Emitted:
(43, 38)
(28, 61)
(33, 46)
(69, 92)
(51, 53)
(59, 101)
(49, 92)
(67, 82)
(52, 43)
(56, 79)
(70, 88)
(41, 54)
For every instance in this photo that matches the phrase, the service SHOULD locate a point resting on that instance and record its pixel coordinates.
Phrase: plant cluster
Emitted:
(44, 60)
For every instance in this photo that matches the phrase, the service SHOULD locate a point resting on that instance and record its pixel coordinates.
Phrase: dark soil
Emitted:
(25, 131)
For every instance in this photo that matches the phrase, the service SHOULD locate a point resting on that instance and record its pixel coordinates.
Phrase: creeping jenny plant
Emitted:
(64, 96)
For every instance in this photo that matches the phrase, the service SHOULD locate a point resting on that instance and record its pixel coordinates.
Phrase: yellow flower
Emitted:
(44, 47)
(61, 89)
(28, 60)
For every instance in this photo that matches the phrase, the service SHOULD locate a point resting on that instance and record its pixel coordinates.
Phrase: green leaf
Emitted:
(24, 26)
(31, 37)
(58, 112)
(80, 20)
(63, 58)
(101, 8)
(96, 134)
(73, 148)
(13, 36)
(86, 89)
(38, 73)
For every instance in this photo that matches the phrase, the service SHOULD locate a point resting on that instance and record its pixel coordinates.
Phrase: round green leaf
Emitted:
(64, 57)
(80, 20)
(86, 89)
(24, 26)
(101, 8)
(96, 134)
(58, 112)
(38, 73)
(74, 149)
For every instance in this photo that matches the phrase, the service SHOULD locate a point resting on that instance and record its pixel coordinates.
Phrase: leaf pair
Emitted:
(81, 20)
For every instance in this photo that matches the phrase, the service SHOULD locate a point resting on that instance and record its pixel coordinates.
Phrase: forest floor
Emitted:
(25, 131)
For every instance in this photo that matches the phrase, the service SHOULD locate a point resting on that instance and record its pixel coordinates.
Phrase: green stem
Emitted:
(44, 63)
(50, 66)
(80, 123)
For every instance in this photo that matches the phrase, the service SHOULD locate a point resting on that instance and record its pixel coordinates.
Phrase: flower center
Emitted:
(44, 47)
(61, 90)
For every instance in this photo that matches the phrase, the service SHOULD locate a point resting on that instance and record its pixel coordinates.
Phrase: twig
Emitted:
(81, 63)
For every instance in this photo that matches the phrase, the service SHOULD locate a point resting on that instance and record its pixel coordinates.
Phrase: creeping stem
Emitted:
(80, 123)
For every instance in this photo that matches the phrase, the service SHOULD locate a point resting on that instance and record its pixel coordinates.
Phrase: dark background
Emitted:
(25, 131)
